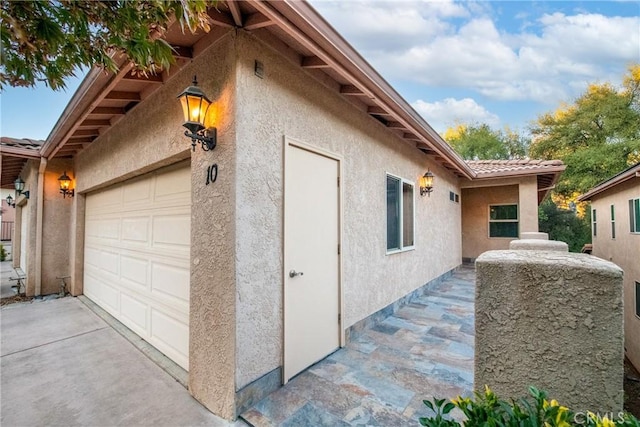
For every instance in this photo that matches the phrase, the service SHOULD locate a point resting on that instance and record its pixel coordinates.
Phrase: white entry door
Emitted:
(136, 257)
(311, 259)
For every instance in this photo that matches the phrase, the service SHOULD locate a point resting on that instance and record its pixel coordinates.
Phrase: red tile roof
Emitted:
(33, 144)
(486, 168)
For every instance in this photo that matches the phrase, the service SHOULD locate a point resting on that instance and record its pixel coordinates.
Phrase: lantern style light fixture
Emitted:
(426, 184)
(65, 183)
(10, 201)
(195, 105)
(18, 184)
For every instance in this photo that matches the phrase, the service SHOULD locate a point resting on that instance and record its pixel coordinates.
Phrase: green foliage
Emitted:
(596, 137)
(480, 142)
(3, 253)
(486, 409)
(564, 225)
(49, 40)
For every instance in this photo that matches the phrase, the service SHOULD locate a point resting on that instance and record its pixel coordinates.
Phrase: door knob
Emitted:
(294, 273)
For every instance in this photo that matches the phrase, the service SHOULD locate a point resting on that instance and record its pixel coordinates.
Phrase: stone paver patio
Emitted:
(380, 378)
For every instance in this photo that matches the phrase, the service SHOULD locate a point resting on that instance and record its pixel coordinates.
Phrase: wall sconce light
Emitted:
(195, 105)
(426, 184)
(10, 201)
(65, 182)
(18, 184)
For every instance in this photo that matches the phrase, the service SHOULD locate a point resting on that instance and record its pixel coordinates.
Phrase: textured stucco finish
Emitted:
(56, 223)
(539, 245)
(552, 320)
(624, 251)
(27, 209)
(287, 102)
(534, 235)
(148, 138)
(475, 218)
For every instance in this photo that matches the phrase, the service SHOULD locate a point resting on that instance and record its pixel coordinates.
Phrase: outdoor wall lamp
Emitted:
(426, 184)
(18, 184)
(10, 201)
(65, 182)
(195, 105)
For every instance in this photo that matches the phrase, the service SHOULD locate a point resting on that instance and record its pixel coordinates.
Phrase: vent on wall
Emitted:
(454, 197)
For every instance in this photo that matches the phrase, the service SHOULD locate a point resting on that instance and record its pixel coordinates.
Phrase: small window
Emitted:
(613, 222)
(638, 299)
(503, 221)
(457, 198)
(594, 225)
(400, 230)
(452, 196)
(634, 215)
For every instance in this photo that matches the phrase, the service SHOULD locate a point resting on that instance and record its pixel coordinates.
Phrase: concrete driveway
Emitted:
(61, 364)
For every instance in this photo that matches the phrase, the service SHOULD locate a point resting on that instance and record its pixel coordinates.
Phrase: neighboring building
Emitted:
(502, 201)
(615, 229)
(251, 262)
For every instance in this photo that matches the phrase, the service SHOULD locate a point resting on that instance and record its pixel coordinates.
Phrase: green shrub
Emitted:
(3, 253)
(486, 409)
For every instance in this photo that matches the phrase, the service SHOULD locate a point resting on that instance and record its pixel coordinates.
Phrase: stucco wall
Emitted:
(56, 222)
(624, 251)
(475, 218)
(551, 320)
(27, 209)
(151, 136)
(288, 102)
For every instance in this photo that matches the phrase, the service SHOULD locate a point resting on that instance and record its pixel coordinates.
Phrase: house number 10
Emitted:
(212, 173)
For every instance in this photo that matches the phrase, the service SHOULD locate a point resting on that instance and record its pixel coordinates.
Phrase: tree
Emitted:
(596, 137)
(50, 40)
(480, 142)
(563, 225)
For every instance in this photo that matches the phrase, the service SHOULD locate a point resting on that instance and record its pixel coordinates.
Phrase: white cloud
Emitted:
(457, 45)
(446, 113)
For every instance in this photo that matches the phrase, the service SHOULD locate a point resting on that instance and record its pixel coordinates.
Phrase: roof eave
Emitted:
(556, 170)
(632, 172)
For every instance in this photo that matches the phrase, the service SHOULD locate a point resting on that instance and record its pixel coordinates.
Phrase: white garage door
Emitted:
(137, 238)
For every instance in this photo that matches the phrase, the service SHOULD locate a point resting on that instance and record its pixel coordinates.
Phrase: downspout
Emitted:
(39, 216)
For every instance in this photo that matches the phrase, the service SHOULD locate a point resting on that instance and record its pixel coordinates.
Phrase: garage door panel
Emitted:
(137, 257)
(135, 270)
(136, 312)
(136, 229)
(170, 281)
(170, 186)
(137, 192)
(171, 230)
(173, 333)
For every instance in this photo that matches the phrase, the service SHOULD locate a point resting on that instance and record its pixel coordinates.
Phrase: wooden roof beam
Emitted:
(139, 77)
(84, 132)
(114, 111)
(257, 20)
(90, 123)
(313, 62)
(378, 111)
(351, 90)
(123, 96)
(221, 18)
(235, 12)
(395, 125)
(184, 52)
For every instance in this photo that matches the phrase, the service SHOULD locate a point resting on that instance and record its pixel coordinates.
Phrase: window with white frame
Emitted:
(503, 221)
(594, 224)
(400, 214)
(634, 215)
(613, 222)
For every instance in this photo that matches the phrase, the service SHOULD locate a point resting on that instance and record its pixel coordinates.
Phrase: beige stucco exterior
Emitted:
(236, 277)
(289, 103)
(624, 251)
(476, 198)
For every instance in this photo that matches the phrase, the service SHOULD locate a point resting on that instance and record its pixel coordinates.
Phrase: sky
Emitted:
(502, 63)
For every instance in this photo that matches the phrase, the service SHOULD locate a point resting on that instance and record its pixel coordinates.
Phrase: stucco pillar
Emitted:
(212, 329)
(551, 320)
(528, 200)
